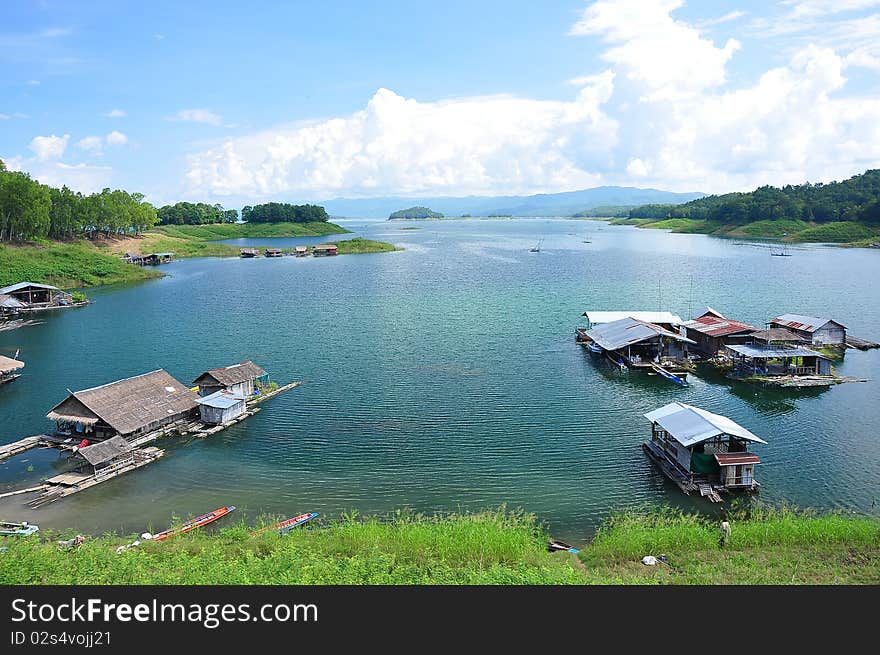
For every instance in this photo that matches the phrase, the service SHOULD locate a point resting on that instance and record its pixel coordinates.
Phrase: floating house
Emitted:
(274, 252)
(10, 305)
(816, 331)
(30, 296)
(249, 253)
(638, 343)
(666, 320)
(114, 451)
(221, 407)
(769, 361)
(156, 258)
(301, 251)
(325, 249)
(699, 450)
(128, 408)
(777, 336)
(9, 369)
(241, 379)
(711, 331)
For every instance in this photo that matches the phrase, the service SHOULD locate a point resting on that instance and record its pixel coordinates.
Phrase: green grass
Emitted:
(840, 232)
(683, 226)
(249, 230)
(67, 265)
(360, 246)
(768, 546)
(770, 228)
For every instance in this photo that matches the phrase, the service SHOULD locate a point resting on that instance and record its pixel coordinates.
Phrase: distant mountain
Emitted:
(543, 204)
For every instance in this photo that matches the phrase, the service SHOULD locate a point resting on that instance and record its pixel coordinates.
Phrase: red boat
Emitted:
(192, 524)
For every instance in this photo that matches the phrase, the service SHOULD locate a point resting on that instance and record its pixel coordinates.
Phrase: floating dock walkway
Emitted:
(20, 446)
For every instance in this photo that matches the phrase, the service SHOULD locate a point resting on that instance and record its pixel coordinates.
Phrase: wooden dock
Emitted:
(20, 446)
(271, 394)
(67, 484)
(860, 344)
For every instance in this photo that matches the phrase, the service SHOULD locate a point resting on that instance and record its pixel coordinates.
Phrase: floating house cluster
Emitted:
(696, 449)
(107, 427)
(321, 250)
(150, 259)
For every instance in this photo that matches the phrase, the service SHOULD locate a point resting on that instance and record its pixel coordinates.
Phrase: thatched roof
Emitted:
(105, 450)
(128, 405)
(231, 374)
(8, 365)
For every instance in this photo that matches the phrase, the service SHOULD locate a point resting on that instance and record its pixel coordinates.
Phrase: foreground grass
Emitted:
(779, 547)
(66, 265)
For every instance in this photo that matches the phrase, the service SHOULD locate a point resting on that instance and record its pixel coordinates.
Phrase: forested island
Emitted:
(843, 212)
(414, 212)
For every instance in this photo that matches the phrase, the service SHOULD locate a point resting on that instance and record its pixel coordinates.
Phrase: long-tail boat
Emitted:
(192, 524)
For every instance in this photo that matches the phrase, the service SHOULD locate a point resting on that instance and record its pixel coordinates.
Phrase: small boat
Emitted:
(192, 524)
(669, 376)
(593, 348)
(23, 529)
(286, 526)
(556, 545)
(537, 247)
(782, 252)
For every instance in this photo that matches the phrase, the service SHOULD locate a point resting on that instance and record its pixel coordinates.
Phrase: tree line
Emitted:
(30, 210)
(282, 212)
(415, 212)
(855, 199)
(198, 213)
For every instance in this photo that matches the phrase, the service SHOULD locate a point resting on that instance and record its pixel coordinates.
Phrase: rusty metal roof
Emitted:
(628, 331)
(718, 327)
(804, 323)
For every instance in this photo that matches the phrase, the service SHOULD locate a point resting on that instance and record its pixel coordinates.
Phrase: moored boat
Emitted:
(286, 526)
(23, 529)
(192, 524)
(556, 544)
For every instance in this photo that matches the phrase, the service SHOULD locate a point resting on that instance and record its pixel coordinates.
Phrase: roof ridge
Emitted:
(101, 386)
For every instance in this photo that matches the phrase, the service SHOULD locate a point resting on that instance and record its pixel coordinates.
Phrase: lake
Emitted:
(446, 376)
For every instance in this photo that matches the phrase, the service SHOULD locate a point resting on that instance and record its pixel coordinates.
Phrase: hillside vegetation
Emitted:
(838, 212)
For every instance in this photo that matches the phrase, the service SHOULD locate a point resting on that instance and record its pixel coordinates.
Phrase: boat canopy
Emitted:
(691, 425)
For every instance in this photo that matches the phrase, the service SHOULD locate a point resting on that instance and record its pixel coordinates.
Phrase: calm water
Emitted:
(446, 376)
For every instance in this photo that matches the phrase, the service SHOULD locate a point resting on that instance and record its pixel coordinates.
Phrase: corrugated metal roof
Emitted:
(801, 322)
(628, 331)
(229, 375)
(7, 364)
(25, 285)
(597, 318)
(763, 352)
(11, 302)
(718, 327)
(691, 425)
(221, 400)
(105, 450)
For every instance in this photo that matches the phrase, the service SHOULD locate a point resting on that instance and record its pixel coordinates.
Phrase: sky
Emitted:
(304, 101)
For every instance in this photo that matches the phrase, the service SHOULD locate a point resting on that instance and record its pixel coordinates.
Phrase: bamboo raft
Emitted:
(20, 446)
(67, 484)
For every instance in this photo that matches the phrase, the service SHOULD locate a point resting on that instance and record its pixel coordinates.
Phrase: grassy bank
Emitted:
(67, 265)
(249, 230)
(780, 547)
(360, 246)
(844, 232)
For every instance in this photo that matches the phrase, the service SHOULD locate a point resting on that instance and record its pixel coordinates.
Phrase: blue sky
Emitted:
(235, 103)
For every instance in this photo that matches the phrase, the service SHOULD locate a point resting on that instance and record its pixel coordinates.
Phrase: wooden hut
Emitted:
(249, 253)
(221, 407)
(301, 251)
(128, 408)
(9, 369)
(638, 343)
(274, 252)
(814, 330)
(31, 296)
(156, 258)
(243, 378)
(711, 332)
(768, 361)
(699, 450)
(325, 249)
(113, 452)
(10, 305)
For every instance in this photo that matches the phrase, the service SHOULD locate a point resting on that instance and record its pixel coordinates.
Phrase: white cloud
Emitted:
(115, 113)
(116, 138)
(90, 143)
(33, 82)
(49, 147)
(805, 8)
(199, 116)
(663, 114)
(79, 177)
(5, 117)
(726, 18)
(54, 32)
(666, 57)
(158, 37)
(399, 145)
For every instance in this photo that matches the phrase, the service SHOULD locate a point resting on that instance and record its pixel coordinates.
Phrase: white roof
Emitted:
(221, 399)
(24, 285)
(628, 331)
(691, 425)
(596, 318)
